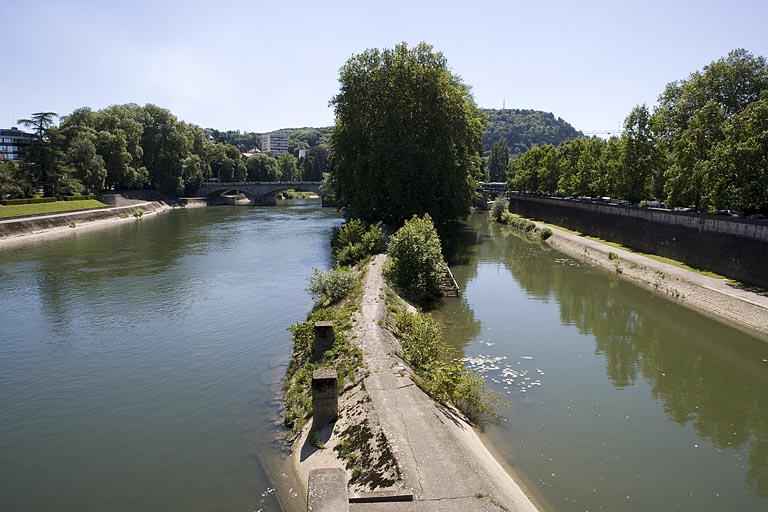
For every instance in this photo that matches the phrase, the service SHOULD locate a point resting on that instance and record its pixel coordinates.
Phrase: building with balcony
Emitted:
(12, 140)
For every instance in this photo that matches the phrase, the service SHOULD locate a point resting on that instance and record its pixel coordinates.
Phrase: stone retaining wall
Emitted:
(28, 225)
(735, 248)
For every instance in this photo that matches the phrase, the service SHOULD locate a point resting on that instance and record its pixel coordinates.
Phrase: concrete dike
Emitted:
(717, 298)
(25, 228)
(419, 455)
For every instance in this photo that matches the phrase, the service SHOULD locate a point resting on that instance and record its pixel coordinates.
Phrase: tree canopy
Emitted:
(704, 146)
(523, 129)
(131, 146)
(407, 136)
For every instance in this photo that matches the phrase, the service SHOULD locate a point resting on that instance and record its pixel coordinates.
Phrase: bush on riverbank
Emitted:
(501, 214)
(415, 263)
(440, 372)
(333, 285)
(353, 242)
(33, 200)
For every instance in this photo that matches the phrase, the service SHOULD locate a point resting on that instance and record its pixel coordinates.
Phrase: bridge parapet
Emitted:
(259, 189)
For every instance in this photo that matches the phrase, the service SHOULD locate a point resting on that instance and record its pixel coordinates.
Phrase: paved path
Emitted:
(441, 458)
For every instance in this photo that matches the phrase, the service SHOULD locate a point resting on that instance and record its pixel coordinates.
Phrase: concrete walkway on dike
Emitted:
(441, 458)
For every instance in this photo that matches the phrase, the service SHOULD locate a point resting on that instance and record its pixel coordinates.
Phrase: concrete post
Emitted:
(324, 337)
(325, 397)
(327, 490)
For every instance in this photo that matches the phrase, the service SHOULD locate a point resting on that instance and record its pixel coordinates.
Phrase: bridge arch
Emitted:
(259, 192)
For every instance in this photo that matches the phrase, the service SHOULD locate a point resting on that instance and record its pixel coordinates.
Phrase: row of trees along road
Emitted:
(704, 146)
(135, 147)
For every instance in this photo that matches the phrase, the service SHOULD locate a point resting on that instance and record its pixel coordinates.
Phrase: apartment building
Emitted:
(274, 143)
(12, 140)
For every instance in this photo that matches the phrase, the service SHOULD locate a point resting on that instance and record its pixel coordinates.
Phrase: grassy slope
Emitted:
(57, 207)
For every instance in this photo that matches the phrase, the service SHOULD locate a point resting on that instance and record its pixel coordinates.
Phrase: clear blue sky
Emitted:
(263, 65)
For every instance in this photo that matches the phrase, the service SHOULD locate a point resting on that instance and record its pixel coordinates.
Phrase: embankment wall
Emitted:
(27, 225)
(735, 248)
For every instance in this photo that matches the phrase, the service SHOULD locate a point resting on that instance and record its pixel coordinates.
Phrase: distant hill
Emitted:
(525, 128)
(521, 128)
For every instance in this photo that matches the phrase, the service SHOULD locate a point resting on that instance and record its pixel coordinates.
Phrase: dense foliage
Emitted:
(135, 147)
(354, 241)
(704, 146)
(523, 129)
(498, 162)
(415, 263)
(407, 136)
(440, 373)
(332, 285)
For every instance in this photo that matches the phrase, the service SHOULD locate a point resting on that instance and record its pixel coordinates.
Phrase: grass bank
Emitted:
(57, 207)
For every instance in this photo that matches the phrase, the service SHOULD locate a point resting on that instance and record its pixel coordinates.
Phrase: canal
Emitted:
(620, 400)
(141, 368)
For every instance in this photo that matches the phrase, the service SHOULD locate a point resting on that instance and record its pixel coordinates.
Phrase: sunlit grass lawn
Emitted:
(57, 207)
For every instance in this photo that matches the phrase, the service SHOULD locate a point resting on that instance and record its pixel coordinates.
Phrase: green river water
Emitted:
(621, 400)
(141, 365)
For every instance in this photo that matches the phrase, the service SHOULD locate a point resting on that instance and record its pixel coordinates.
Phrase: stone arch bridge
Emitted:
(258, 192)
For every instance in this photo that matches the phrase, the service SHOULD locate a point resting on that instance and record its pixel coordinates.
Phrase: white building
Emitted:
(274, 143)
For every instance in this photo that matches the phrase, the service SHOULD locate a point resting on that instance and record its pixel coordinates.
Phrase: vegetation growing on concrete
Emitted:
(333, 285)
(342, 356)
(366, 452)
(355, 241)
(501, 214)
(438, 367)
(337, 293)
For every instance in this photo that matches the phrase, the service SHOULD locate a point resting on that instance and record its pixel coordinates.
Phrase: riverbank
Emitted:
(421, 450)
(716, 298)
(53, 225)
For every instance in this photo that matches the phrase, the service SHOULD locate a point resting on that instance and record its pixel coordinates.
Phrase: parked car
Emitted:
(727, 213)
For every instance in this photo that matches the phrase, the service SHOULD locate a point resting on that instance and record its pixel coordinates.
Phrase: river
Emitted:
(620, 400)
(141, 364)
(141, 368)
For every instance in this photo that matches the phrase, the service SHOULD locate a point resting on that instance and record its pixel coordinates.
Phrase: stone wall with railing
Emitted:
(734, 247)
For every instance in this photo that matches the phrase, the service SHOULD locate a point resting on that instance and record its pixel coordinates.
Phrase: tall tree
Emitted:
(87, 165)
(639, 157)
(691, 119)
(288, 168)
(40, 122)
(407, 136)
(498, 161)
(315, 163)
(262, 167)
(43, 155)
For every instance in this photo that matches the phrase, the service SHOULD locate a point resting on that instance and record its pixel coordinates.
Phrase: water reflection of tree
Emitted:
(710, 376)
(462, 242)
